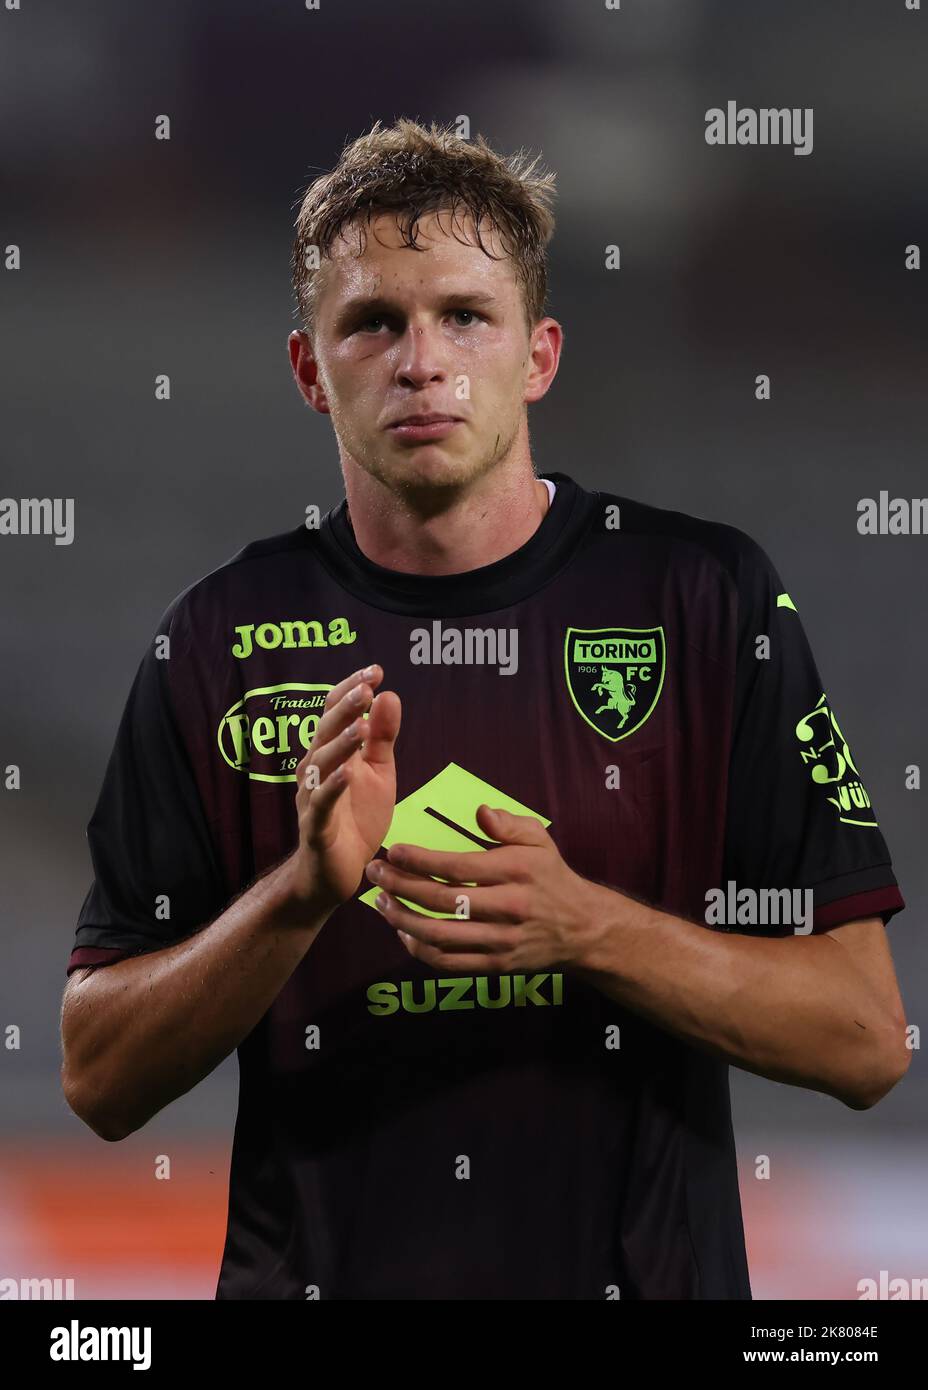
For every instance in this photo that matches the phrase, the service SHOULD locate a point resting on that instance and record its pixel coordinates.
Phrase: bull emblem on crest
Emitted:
(620, 699)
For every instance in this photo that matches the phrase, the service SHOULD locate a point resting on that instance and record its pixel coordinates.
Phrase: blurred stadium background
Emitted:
(141, 256)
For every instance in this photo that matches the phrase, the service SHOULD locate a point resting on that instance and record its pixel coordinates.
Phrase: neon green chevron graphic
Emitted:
(422, 817)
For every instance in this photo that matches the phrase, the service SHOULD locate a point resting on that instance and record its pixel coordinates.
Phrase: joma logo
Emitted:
(465, 992)
(288, 635)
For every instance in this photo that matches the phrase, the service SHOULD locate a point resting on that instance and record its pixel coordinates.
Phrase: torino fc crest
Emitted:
(615, 676)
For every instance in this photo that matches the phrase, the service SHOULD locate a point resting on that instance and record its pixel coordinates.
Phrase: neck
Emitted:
(473, 527)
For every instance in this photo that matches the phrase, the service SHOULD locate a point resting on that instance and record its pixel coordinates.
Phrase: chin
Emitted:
(429, 467)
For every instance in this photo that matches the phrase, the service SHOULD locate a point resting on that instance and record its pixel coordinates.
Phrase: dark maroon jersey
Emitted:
(637, 679)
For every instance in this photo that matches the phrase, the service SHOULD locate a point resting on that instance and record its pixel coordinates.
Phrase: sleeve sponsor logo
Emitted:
(831, 765)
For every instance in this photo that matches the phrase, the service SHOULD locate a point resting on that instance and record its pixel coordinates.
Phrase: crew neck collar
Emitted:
(504, 582)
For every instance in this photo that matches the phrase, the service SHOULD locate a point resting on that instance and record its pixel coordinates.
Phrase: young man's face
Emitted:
(404, 332)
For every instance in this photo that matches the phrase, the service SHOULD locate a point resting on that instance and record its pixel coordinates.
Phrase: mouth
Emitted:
(421, 428)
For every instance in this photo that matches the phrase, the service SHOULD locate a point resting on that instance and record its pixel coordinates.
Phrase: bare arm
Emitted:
(820, 1011)
(140, 1033)
(144, 1031)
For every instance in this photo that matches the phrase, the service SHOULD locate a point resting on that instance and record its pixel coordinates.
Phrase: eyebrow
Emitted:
(364, 306)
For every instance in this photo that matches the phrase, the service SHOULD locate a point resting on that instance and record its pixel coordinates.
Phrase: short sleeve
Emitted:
(799, 815)
(156, 873)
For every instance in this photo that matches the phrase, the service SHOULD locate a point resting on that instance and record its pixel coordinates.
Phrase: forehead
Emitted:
(372, 258)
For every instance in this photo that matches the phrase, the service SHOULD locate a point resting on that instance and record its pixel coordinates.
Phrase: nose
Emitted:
(421, 357)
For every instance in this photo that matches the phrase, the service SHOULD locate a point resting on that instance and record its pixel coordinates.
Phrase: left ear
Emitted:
(305, 370)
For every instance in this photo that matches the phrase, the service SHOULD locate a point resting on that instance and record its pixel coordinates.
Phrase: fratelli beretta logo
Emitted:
(615, 676)
(269, 730)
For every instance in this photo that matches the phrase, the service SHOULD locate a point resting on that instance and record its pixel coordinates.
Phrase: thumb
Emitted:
(383, 725)
(509, 829)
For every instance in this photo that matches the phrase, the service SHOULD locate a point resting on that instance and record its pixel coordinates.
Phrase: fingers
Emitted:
(343, 704)
(375, 736)
(372, 675)
(323, 801)
(322, 762)
(451, 937)
(323, 775)
(421, 892)
(481, 866)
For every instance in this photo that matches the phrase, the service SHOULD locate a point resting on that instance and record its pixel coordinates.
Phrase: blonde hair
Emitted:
(409, 170)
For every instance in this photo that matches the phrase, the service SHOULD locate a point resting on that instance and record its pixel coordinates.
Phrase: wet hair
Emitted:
(410, 171)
